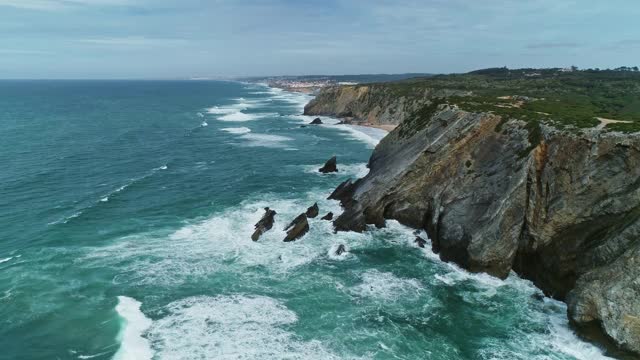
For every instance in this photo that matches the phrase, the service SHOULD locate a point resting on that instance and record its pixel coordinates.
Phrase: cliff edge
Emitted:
(495, 193)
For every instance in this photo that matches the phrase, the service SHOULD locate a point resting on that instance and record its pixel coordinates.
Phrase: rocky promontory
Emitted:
(501, 190)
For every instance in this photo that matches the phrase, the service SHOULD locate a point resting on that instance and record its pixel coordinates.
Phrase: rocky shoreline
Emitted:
(559, 207)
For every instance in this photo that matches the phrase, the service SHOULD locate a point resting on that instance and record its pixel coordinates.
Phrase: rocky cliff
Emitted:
(559, 207)
(380, 104)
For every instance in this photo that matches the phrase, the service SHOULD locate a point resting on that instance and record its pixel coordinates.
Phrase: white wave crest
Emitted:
(239, 116)
(231, 327)
(265, 140)
(238, 130)
(387, 287)
(133, 346)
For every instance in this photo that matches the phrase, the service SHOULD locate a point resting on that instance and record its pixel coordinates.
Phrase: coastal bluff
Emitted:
(497, 192)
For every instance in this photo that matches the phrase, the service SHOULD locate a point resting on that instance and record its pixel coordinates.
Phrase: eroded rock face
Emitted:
(330, 166)
(560, 208)
(343, 192)
(265, 224)
(297, 228)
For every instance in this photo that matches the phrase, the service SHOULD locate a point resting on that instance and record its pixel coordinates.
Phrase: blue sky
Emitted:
(198, 38)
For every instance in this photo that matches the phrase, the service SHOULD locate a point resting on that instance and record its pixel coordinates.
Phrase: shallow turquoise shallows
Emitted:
(126, 213)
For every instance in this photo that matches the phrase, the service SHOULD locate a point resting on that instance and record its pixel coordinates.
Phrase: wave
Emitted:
(203, 124)
(231, 327)
(6, 259)
(105, 198)
(265, 140)
(387, 287)
(368, 135)
(237, 131)
(133, 346)
(222, 242)
(241, 116)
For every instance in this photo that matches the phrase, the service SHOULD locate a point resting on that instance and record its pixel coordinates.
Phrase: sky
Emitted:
(177, 39)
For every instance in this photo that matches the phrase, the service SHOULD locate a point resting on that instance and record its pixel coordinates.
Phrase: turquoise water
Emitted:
(127, 209)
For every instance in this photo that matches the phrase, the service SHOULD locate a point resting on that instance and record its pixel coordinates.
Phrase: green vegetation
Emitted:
(566, 99)
(421, 118)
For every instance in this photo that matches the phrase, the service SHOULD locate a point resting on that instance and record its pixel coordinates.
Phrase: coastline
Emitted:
(312, 91)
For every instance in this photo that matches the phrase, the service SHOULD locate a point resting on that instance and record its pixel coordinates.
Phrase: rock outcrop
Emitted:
(330, 166)
(265, 224)
(340, 250)
(297, 228)
(313, 211)
(316, 121)
(343, 192)
(561, 208)
(328, 217)
(420, 242)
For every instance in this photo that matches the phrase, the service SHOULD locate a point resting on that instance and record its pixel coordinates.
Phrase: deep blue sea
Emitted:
(126, 210)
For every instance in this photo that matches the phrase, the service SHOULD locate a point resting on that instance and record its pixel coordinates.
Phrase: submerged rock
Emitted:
(265, 224)
(313, 211)
(329, 216)
(329, 166)
(297, 228)
(316, 121)
(340, 250)
(420, 241)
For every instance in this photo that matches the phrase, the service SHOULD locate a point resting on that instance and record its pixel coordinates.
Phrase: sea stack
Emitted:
(316, 121)
(330, 166)
(265, 224)
(297, 228)
(313, 211)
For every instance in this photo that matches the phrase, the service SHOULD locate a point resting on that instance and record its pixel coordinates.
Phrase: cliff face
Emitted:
(560, 208)
(375, 104)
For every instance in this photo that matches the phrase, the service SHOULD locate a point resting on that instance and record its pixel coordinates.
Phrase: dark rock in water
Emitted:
(538, 296)
(313, 211)
(265, 224)
(420, 241)
(340, 250)
(329, 216)
(303, 126)
(297, 228)
(343, 192)
(316, 121)
(329, 166)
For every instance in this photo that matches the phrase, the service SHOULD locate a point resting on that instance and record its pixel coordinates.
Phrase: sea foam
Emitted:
(133, 346)
(237, 130)
(231, 327)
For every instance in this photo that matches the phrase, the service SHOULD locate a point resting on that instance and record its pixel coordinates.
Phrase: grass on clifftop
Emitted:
(567, 99)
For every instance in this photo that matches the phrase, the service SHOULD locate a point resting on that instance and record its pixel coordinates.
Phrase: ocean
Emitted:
(127, 209)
